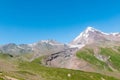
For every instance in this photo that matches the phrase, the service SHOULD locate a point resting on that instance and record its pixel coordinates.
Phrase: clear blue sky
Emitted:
(27, 21)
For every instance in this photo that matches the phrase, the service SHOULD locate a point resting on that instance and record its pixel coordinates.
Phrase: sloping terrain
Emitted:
(36, 71)
(101, 58)
(93, 55)
(100, 53)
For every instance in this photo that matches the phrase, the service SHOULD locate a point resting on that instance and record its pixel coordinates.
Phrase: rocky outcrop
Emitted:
(60, 59)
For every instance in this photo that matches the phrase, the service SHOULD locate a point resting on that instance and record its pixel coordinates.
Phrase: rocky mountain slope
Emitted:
(12, 68)
(91, 35)
(91, 51)
(44, 47)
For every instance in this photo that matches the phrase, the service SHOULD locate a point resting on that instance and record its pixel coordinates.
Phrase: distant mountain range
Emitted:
(89, 36)
(92, 50)
(43, 47)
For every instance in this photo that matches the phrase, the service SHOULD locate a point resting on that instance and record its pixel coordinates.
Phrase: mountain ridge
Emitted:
(91, 51)
(91, 35)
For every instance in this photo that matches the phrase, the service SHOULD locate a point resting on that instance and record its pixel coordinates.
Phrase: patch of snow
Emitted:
(50, 42)
(90, 29)
(93, 29)
(114, 34)
(31, 45)
(44, 41)
(76, 46)
(55, 44)
(105, 33)
(20, 47)
(85, 35)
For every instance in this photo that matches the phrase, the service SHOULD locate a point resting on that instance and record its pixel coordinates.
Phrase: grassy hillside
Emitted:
(112, 54)
(88, 55)
(35, 71)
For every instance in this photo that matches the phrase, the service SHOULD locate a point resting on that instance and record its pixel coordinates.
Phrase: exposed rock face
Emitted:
(45, 47)
(64, 55)
(60, 59)
(90, 37)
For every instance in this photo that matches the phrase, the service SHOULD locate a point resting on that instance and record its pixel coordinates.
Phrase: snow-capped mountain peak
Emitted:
(86, 33)
(92, 35)
(90, 29)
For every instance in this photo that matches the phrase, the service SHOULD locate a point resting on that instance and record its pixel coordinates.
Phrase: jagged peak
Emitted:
(93, 30)
(49, 41)
(89, 28)
(86, 32)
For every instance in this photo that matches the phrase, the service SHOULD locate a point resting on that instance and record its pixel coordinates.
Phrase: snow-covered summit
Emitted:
(86, 33)
(90, 29)
(92, 35)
